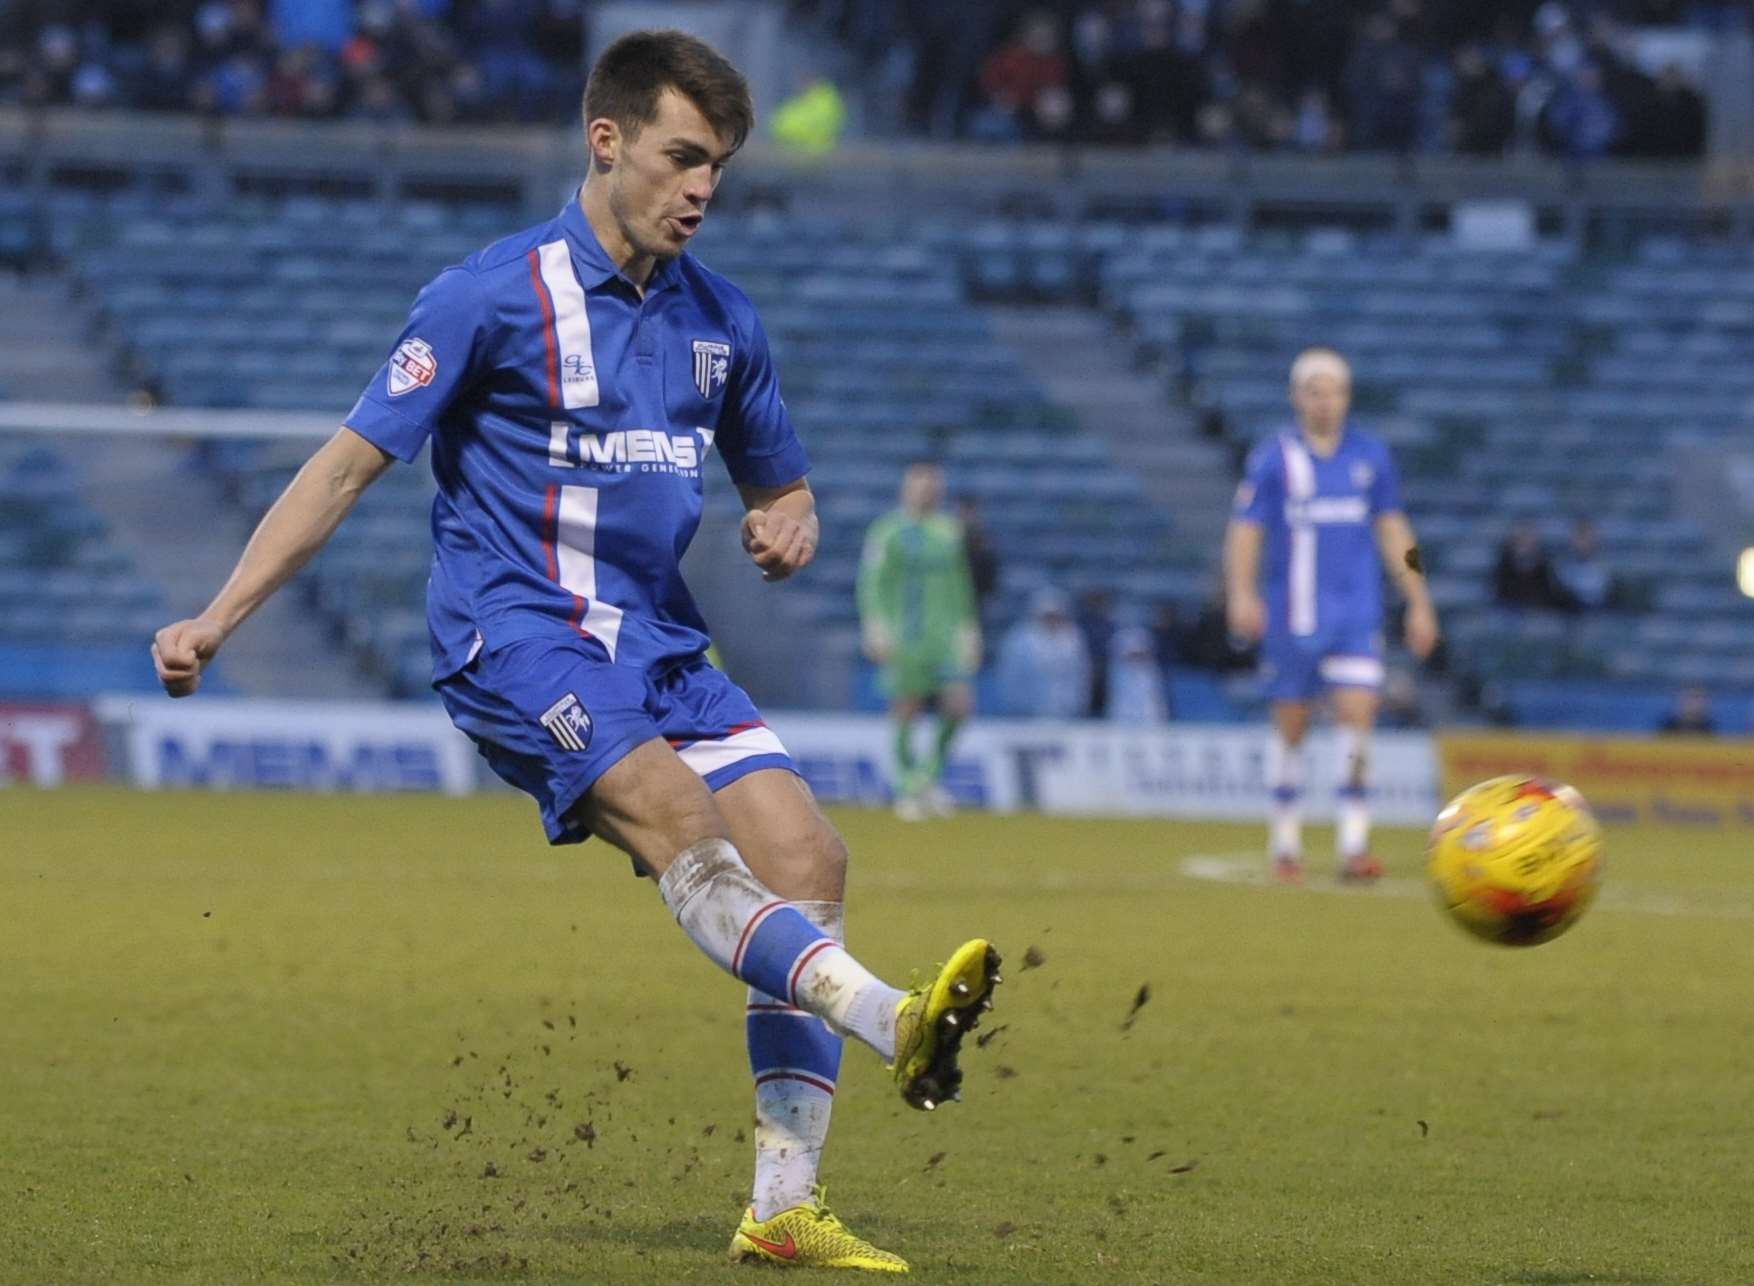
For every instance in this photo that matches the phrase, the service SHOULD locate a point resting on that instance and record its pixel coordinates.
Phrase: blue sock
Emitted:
(772, 946)
(795, 1060)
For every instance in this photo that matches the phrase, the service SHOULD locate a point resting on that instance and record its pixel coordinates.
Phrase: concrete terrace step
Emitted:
(1084, 366)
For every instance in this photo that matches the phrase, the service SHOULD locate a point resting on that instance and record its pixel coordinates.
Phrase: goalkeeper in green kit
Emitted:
(919, 622)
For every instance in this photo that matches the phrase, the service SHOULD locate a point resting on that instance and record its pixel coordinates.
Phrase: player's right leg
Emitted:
(1355, 712)
(1285, 778)
(648, 804)
(1290, 670)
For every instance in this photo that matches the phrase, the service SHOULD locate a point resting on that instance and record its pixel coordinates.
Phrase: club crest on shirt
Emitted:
(412, 366)
(568, 723)
(1362, 475)
(712, 366)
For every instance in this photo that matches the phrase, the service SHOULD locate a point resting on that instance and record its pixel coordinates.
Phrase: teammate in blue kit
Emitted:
(1317, 508)
(572, 381)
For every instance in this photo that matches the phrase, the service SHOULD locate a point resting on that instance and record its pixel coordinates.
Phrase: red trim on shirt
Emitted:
(549, 534)
(547, 332)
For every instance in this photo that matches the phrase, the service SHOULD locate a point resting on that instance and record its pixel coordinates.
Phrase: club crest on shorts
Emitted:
(712, 366)
(412, 366)
(568, 723)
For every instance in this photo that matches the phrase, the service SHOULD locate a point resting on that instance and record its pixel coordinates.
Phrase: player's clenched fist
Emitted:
(1247, 616)
(777, 542)
(181, 651)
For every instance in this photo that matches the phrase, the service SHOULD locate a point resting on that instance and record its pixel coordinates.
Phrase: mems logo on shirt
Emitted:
(412, 366)
(627, 450)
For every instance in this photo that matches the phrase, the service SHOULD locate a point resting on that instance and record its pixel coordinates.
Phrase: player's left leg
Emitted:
(955, 703)
(794, 1057)
(1355, 718)
(1352, 672)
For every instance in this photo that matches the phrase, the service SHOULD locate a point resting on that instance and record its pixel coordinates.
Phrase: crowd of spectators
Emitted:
(436, 61)
(1486, 77)
(1395, 75)
(1527, 576)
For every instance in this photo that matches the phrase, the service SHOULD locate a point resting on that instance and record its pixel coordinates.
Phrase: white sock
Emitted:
(764, 940)
(1285, 784)
(1352, 810)
(870, 1016)
(792, 1107)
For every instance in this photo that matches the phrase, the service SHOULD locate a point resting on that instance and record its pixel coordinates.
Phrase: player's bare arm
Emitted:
(1244, 610)
(294, 529)
(1399, 549)
(780, 528)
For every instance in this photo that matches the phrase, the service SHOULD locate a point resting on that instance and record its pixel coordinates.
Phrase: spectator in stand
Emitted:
(302, 83)
(1314, 129)
(1166, 81)
(1382, 88)
(1675, 125)
(977, 547)
(1581, 119)
(163, 82)
(1136, 695)
(324, 23)
(1691, 715)
(1096, 622)
(1044, 668)
(1165, 625)
(1579, 571)
(1018, 75)
(810, 121)
(1524, 574)
(1208, 642)
(497, 33)
(49, 79)
(1482, 106)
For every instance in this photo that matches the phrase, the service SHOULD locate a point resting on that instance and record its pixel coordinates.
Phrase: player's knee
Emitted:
(819, 862)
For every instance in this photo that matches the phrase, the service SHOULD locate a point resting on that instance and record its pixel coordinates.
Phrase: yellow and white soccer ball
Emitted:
(1516, 860)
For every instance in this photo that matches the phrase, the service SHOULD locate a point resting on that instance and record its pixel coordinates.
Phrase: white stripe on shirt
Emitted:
(572, 327)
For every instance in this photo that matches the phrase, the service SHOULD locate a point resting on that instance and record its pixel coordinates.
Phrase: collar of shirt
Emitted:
(593, 263)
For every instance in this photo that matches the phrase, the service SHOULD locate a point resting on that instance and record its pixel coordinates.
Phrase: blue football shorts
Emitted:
(1298, 667)
(551, 716)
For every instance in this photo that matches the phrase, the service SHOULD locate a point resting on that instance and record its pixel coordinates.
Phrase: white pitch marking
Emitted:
(1251, 869)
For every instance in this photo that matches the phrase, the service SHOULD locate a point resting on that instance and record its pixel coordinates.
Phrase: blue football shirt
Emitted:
(570, 419)
(1319, 563)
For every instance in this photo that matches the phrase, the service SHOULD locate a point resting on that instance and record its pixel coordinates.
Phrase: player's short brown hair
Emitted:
(631, 73)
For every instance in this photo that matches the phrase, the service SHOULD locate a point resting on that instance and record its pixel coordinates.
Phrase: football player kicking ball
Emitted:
(1318, 506)
(572, 380)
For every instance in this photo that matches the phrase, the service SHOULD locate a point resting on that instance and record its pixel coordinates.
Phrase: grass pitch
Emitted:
(260, 1038)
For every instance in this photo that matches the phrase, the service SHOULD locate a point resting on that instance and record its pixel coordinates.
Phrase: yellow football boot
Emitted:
(808, 1236)
(931, 1021)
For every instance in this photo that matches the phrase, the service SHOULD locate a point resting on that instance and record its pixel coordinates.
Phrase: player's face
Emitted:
(922, 489)
(1321, 402)
(664, 176)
